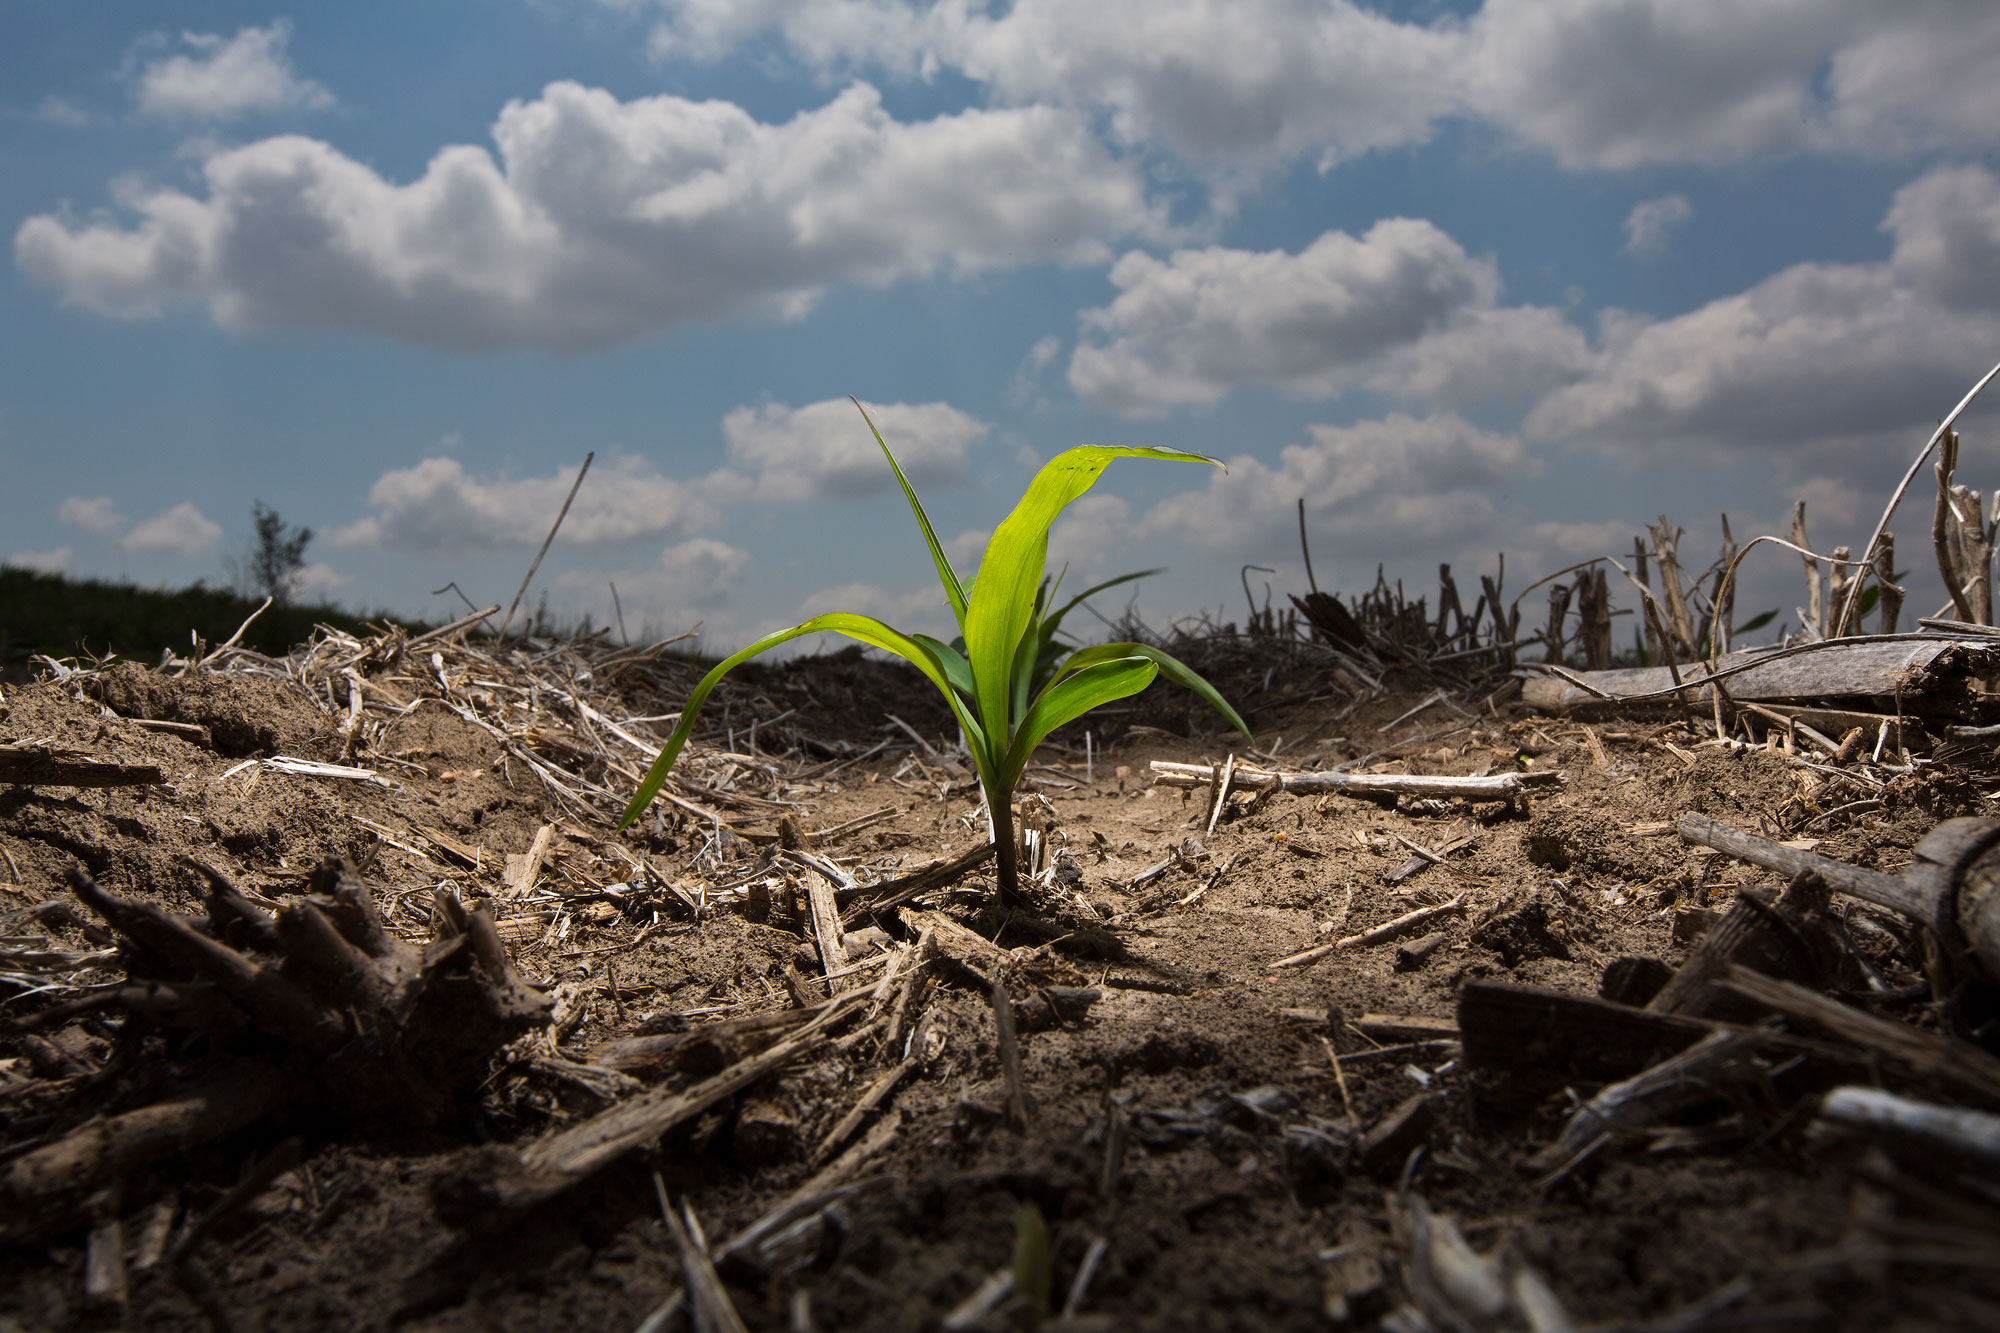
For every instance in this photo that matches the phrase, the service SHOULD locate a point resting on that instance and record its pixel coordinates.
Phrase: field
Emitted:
(777, 1051)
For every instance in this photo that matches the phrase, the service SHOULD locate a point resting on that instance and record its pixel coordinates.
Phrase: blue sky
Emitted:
(1467, 278)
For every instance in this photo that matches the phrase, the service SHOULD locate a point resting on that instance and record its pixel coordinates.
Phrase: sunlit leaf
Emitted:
(863, 629)
(1069, 699)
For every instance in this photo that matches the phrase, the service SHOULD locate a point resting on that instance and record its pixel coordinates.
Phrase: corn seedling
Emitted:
(1004, 625)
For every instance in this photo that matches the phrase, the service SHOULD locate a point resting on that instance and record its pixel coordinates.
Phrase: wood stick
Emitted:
(1891, 891)
(1387, 930)
(463, 622)
(569, 1156)
(1009, 1046)
(1220, 776)
(531, 864)
(878, 1092)
(1957, 1062)
(1494, 787)
(561, 514)
(1947, 1134)
(237, 636)
(1920, 669)
(825, 922)
(116, 1146)
(44, 766)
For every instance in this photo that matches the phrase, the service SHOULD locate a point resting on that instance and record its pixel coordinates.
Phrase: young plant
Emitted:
(991, 687)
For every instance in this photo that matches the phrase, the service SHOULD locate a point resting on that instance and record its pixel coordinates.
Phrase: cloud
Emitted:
(1402, 307)
(182, 530)
(824, 450)
(968, 548)
(221, 78)
(600, 221)
(689, 578)
(318, 580)
(1399, 485)
(1027, 375)
(1234, 88)
(41, 562)
(438, 506)
(98, 514)
(1597, 84)
(1829, 500)
(64, 111)
(1649, 224)
(1094, 526)
(1616, 84)
(922, 611)
(1816, 353)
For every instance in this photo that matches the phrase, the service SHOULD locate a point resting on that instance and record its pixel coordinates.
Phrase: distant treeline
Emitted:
(64, 617)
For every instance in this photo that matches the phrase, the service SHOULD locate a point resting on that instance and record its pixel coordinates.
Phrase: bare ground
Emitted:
(1191, 1120)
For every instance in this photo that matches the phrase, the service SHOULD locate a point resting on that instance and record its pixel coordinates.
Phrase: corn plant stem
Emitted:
(1007, 864)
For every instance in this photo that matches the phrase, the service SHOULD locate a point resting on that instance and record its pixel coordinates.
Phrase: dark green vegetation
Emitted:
(63, 617)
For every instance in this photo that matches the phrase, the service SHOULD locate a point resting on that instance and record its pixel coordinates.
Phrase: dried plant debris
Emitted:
(315, 1004)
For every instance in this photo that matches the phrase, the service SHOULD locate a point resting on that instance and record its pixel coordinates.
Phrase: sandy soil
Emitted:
(1242, 1186)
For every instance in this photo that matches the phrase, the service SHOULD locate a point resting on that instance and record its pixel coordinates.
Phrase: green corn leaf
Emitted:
(1069, 699)
(1050, 623)
(1034, 1265)
(1756, 623)
(864, 629)
(1170, 666)
(1002, 605)
(952, 661)
(954, 592)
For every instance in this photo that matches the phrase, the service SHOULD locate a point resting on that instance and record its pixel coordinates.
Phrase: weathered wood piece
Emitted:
(1388, 1142)
(1387, 930)
(510, 1183)
(1952, 885)
(1785, 938)
(1494, 787)
(1939, 1133)
(1955, 1062)
(1928, 676)
(825, 922)
(1451, 1285)
(1008, 1045)
(1538, 1039)
(972, 954)
(1698, 1074)
(878, 898)
(700, 1050)
(31, 765)
(373, 1025)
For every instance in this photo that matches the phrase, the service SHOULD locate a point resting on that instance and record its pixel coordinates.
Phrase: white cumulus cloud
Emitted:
(217, 78)
(182, 530)
(96, 514)
(600, 220)
(1650, 224)
(825, 450)
(438, 505)
(53, 561)
(921, 611)
(1402, 307)
(690, 578)
(1376, 489)
(1816, 352)
(1597, 84)
(318, 581)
